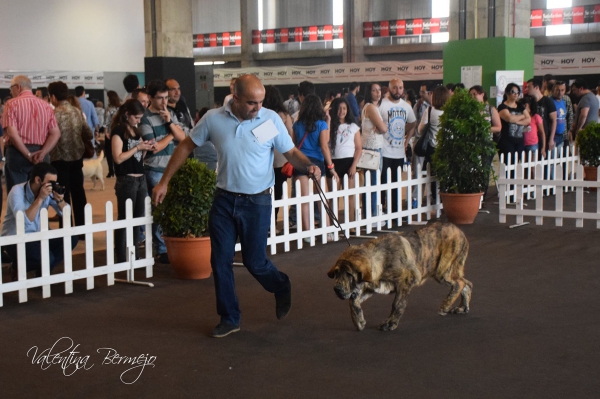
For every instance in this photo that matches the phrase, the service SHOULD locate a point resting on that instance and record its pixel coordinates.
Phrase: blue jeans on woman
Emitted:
(246, 217)
(152, 179)
(135, 189)
(373, 173)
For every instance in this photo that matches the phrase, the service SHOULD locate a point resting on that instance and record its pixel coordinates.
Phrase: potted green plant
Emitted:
(588, 145)
(183, 216)
(464, 144)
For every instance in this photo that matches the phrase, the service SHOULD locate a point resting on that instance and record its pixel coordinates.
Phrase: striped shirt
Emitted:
(153, 127)
(32, 117)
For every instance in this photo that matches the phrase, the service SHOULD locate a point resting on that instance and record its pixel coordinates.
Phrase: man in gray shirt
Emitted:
(587, 109)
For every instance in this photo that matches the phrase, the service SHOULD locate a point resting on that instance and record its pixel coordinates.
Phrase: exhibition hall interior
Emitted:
(95, 300)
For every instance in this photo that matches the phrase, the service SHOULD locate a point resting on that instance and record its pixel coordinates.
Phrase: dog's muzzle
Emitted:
(340, 293)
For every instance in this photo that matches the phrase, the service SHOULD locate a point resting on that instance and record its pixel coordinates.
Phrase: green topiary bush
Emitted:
(464, 146)
(184, 211)
(588, 143)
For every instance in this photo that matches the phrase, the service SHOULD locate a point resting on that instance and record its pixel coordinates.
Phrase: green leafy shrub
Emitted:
(464, 146)
(184, 210)
(588, 143)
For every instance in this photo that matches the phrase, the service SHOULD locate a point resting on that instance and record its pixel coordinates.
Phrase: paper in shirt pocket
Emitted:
(265, 132)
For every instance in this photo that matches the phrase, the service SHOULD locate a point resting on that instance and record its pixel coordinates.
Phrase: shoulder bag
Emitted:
(287, 170)
(369, 160)
(423, 142)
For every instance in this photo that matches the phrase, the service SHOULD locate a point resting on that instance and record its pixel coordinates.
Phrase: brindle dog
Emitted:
(397, 263)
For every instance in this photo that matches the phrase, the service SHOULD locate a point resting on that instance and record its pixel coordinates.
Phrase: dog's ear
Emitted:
(363, 270)
(331, 273)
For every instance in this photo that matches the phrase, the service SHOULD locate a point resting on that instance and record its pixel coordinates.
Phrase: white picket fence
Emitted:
(403, 186)
(69, 275)
(538, 184)
(567, 162)
(425, 210)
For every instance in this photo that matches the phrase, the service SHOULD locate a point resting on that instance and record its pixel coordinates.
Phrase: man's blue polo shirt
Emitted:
(245, 165)
(20, 198)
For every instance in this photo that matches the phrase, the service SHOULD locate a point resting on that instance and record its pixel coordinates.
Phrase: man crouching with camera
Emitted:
(40, 191)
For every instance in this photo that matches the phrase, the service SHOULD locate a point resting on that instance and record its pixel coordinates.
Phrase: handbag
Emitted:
(86, 136)
(287, 170)
(423, 142)
(369, 160)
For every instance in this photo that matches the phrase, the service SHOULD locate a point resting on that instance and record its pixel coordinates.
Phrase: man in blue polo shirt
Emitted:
(244, 135)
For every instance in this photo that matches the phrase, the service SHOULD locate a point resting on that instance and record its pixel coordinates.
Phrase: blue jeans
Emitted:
(247, 218)
(373, 173)
(152, 179)
(34, 253)
(532, 148)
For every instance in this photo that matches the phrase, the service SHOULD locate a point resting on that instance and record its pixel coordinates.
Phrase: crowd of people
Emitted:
(148, 134)
(46, 137)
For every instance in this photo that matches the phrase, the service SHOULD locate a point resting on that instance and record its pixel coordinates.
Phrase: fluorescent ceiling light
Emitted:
(559, 3)
(209, 62)
(558, 30)
(440, 8)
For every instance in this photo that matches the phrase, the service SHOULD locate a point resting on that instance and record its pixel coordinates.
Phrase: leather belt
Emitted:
(220, 190)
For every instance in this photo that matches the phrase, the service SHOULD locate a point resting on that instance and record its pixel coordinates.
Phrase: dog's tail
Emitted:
(101, 156)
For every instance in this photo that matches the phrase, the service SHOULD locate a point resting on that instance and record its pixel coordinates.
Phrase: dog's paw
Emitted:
(360, 325)
(441, 312)
(459, 310)
(388, 325)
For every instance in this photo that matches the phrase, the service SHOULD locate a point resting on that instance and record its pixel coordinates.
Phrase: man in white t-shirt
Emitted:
(401, 121)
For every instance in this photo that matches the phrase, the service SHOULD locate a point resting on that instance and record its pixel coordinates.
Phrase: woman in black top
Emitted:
(128, 150)
(514, 118)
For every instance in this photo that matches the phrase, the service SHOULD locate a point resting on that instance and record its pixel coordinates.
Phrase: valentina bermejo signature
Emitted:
(66, 355)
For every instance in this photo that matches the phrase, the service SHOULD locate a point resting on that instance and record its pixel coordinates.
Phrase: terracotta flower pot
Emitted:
(461, 208)
(189, 257)
(590, 174)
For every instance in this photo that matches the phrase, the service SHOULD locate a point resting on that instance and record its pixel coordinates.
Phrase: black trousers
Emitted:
(392, 163)
(70, 175)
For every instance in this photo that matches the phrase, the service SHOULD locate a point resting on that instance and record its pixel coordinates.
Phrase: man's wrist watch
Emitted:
(169, 123)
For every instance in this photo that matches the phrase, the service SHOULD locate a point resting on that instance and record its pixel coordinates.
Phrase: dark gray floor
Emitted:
(532, 331)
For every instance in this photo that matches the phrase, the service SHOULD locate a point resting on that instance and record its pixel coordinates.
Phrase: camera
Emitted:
(57, 188)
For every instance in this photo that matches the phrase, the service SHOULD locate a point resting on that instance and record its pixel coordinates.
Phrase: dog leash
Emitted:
(330, 213)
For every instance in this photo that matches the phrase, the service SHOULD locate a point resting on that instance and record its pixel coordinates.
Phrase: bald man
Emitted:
(244, 135)
(400, 120)
(31, 128)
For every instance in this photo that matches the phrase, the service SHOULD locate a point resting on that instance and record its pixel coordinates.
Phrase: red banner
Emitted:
(405, 27)
(297, 34)
(221, 39)
(565, 16)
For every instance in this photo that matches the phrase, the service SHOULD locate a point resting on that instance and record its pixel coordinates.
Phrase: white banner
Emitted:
(89, 80)
(336, 73)
(583, 63)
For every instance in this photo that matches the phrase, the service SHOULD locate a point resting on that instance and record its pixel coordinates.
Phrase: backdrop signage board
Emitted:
(405, 27)
(566, 16)
(89, 80)
(337, 73)
(503, 78)
(221, 39)
(298, 34)
(582, 63)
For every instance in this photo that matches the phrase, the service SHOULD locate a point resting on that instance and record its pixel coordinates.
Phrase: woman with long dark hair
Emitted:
(274, 102)
(128, 151)
(345, 143)
(514, 118)
(311, 134)
(114, 102)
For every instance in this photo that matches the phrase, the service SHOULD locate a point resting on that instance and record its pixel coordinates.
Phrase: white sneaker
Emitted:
(306, 240)
(374, 225)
